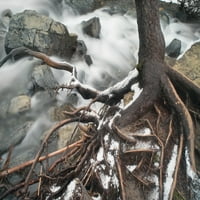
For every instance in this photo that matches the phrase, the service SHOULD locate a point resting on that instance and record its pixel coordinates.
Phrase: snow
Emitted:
(70, 189)
(54, 188)
(98, 197)
(190, 171)
(100, 154)
(114, 145)
(154, 194)
(171, 1)
(105, 180)
(110, 159)
(131, 168)
(170, 173)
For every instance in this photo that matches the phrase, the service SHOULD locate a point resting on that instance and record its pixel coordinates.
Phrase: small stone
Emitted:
(174, 48)
(88, 60)
(19, 104)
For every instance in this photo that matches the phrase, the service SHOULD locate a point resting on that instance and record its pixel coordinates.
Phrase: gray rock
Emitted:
(83, 7)
(19, 104)
(81, 48)
(174, 48)
(92, 27)
(40, 33)
(115, 6)
(14, 137)
(88, 60)
(81, 52)
(4, 106)
(68, 134)
(43, 78)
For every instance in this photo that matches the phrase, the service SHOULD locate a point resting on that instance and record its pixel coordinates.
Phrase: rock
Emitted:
(13, 137)
(81, 48)
(68, 134)
(114, 6)
(4, 106)
(92, 27)
(56, 113)
(85, 6)
(40, 33)
(43, 78)
(174, 48)
(189, 64)
(19, 104)
(88, 60)
(81, 52)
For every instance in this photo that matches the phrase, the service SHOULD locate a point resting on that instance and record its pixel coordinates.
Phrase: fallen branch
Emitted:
(42, 158)
(23, 51)
(121, 180)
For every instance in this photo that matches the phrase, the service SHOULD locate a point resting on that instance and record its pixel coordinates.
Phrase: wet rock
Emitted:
(81, 48)
(68, 134)
(92, 27)
(56, 113)
(19, 104)
(81, 52)
(85, 6)
(40, 33)
(115, 6)
(43, 78)
(13, 137)
(174, 48)
(4, 106)
(88, 60)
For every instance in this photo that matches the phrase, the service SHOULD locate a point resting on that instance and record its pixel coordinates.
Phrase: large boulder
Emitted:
(40, 33)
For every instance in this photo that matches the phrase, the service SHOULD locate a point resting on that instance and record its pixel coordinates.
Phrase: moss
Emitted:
(178, 196)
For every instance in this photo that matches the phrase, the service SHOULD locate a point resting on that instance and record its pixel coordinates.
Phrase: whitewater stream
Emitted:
(113, 55)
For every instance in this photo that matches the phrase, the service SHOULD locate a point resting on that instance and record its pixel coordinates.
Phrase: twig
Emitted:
(40, 182)
(30, 162)
(141, 150)
(158, 119)
(170, 132)
(121, 180)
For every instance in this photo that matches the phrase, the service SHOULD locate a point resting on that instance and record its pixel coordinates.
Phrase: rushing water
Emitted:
(113, 55)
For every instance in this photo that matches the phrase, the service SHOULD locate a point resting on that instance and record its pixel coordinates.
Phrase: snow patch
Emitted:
(154, 194)
(170, 173)
(70, 189)
(131, 168)
(54, 188)
(110, 159)
(100, 155)
(190, 171)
